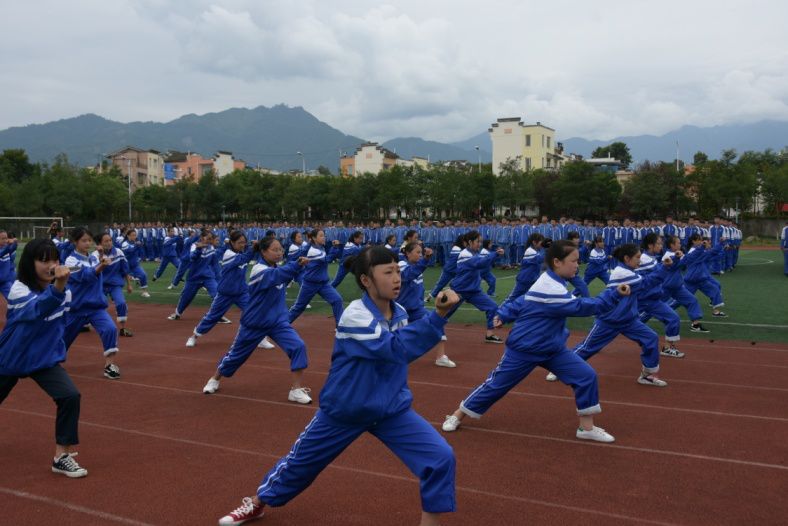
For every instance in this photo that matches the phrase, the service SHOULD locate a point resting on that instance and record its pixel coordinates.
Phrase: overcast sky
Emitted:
(438, 69)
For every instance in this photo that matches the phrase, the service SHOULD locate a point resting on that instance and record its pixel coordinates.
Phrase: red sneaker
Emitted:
(248, 511)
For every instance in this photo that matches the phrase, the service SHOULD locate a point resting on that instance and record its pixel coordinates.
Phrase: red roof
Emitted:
(785, 207)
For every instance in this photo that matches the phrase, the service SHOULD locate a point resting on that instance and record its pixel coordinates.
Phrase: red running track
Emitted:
(711, 448)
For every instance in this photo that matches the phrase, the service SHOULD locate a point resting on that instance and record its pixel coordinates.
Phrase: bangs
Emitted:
(46, 252)
(380, 256)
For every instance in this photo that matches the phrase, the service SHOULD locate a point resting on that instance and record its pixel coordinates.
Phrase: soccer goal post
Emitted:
(29, 227)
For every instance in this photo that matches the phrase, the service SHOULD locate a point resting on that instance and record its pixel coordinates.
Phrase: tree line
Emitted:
(578, 190)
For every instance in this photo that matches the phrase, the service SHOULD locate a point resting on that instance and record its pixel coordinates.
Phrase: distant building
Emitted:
(370, 157)
(143, 167)
(531, 146)
(605, 164)
(191, 166)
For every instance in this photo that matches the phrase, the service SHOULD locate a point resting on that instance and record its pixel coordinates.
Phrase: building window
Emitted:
(548, 143)
(528, 140)
(350, 169)
(527, 163)
(542, 141)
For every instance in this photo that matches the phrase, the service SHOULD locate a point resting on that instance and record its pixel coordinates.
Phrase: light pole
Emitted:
(480, 157)
(128, 164)
(303, 163)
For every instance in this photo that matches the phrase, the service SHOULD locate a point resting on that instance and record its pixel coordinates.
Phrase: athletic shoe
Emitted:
(672, 352)
(192, 341)
(125, 332)
(66, 465)
(308, 306)
(224, 321)
(551, 377)
(698, 328)
(145, 294)
(444, 361)
(85, 328)
(154, 278)
(651, 379)
(451, 423)
(492, 339)
(719, 314)
(245, 512)
(444, 338)
(174, 316)
(211, 387)
(112, 371)
(265, 344)
(170, 286)
(428, 298)
(299, 395)
(595, 433)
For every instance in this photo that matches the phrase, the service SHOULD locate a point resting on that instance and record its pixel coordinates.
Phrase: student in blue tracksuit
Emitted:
(530, 267)
(201, 272)
(134, 251)
(487, 274)
(650, 301)
(697, 276)
(467, 282)
(31, 345)
(674, 293)
(581, 289)
(539, 339)
(352, 248)
(449, 270)
(185, 258)
(597, 263)
(784, 246)
(411, 294)
(169, 253)
(88, 302)
(115, 276)
(266, 315)
(367, 391)
(391, 244)
(231, 288)
(7, 258)
(316, 277)
(624, 319)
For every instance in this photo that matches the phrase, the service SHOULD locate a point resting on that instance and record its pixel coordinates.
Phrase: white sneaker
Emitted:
(596, 433)
(444, 361)
(192, 341)
(225, 321)
(551, 377)
(170, 286)
(451, 423)
(145, 294)
(265, 344)
(444, 338)
(308, 306)
(651, 379)
(211, 387)
(300, 395)
(174, 316)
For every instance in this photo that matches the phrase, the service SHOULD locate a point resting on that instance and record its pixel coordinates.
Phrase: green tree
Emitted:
(617, 150)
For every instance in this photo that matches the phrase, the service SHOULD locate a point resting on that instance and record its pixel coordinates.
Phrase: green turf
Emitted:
(756, 294)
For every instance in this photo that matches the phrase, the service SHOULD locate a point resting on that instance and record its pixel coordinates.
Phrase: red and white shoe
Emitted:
(247, 511)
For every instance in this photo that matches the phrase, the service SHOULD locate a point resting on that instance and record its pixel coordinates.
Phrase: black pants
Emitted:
(57, 384)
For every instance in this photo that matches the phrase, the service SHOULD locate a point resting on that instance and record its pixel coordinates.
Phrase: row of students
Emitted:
(8, 246)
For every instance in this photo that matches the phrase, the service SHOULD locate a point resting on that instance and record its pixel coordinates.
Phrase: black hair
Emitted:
(534, 238)
(129, 231)
(410, 233)
(695, 237)
(358, 234)
(270, 233)
(391, 236)
(473, 235)
(312, 234)
(409, 246)
(460, 241)
(573, 235)
(650, 239)
(669, 240)
(265, 243)
(627, 250)
(98, 237)
(369, 257)
(599, 239)
(79, 232)
(206, 232)
(486, 244)
(235, 235)
(36, 250)
(293, 235)
(559, 250)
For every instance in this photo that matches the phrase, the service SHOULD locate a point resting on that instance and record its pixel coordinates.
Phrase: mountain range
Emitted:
(271, 137)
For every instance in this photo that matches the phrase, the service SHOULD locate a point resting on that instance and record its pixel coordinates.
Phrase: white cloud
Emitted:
(441, 70)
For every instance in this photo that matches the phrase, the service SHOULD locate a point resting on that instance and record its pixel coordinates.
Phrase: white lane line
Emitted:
(112, 517)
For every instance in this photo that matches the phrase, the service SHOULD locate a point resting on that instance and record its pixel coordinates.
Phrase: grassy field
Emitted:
(756, 297)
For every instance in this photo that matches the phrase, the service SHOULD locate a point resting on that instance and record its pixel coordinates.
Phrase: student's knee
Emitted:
(70, 399)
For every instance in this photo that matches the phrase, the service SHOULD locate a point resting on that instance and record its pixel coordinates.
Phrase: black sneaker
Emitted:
(66, 465)
(112, 371)
(125, 332)
(719, 314)
(224, 321)
(174, 316)
(698, 328)
(154, 278)
(492, 339)
(85, 328)
(672, 352)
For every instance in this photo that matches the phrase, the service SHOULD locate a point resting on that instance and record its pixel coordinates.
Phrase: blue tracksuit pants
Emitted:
(681, 297)
(710, 287)
(246, 341)
(190, 291)
(183, 268)
(411, 438)
(785, 262)
(139, 273)
(666, 315)
(5, 288)
(219, 306)
(341, 273)
(515, 366)
(520, 288)
(603, 274)
(308, 291)
(116, 294)
(602, 333)
(489, 278)
(165, 261)
(481, 301)
(101, 322)
(444, 279)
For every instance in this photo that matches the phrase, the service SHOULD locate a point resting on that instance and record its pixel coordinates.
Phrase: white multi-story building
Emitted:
(531, 146)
